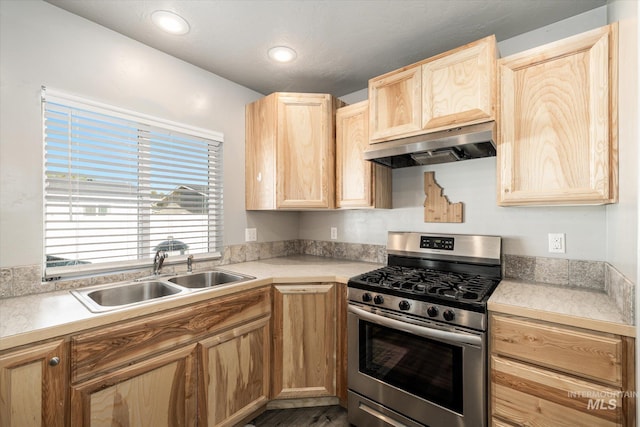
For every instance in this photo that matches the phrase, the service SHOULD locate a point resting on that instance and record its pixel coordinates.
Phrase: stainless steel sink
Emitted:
(125, 295)
(207, 279)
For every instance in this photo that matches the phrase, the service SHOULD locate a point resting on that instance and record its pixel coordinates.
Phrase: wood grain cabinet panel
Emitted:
(454, 88)
(549, 374)
(304, 341)
(34, 386)
(159, 392)
(557, 133)
(109, 348)
(459, 86)
(234, 374)
(290, 152)
(359, 183)
(600, 355)
(395, 100)
(528, 395)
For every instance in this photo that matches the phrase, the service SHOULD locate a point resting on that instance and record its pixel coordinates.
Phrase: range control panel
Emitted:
(430, 242)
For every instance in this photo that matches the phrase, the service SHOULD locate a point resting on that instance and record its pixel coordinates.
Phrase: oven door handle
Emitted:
(422, 331)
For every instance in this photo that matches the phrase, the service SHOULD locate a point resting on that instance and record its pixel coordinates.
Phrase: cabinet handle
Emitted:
(54, 361)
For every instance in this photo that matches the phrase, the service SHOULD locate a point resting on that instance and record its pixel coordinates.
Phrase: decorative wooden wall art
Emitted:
(437, 207)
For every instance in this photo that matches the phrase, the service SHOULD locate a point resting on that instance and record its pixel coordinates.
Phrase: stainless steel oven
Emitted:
(417, 335)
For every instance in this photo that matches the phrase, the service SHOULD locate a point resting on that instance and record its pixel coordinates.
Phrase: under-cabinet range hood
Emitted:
(461, 143)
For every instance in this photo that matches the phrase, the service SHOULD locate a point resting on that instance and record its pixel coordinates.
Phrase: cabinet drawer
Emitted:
(103, 350)
(584, 353)
(526, 395)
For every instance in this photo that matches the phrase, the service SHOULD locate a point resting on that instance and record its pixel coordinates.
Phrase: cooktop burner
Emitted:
(427, 282)
(459, 271)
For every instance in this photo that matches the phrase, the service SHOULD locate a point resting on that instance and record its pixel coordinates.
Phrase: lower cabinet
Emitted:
(213, 363)
(202, 364)
(549, 374)
(157, 392)
(304, 340)
(33, 385)
(234, 374)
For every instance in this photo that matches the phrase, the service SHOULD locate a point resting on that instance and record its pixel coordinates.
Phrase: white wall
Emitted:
(41, 44)
(524, 230)
(622, 218)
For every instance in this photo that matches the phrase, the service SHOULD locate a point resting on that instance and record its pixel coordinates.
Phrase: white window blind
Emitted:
(120, 185)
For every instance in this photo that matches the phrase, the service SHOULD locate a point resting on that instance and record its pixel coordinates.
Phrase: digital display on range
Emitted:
(430, 242)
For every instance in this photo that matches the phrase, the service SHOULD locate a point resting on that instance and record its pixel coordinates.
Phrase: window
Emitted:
(119, 186)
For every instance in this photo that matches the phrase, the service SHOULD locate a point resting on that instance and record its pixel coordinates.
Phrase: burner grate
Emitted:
(443, 284)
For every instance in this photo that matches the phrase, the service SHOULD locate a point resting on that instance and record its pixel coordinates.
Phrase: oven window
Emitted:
(425, 368)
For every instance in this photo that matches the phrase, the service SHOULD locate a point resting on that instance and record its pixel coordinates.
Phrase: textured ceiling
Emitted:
(340, 43)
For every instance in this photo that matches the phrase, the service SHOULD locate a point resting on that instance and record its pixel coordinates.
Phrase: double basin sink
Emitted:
(112, 297)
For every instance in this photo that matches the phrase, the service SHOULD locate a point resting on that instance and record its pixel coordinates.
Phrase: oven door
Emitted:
(420, 370)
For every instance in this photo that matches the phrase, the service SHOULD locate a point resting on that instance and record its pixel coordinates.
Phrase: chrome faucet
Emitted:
(157, 261)
(190, 264)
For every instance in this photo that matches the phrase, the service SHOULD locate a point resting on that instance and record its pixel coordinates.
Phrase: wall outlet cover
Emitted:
(557, 243)
(250, 234)
(334, 233)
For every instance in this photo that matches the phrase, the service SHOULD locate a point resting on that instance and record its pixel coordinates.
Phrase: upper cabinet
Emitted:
(290, 152)
(359, 183)
(454, 88)
(557, 133)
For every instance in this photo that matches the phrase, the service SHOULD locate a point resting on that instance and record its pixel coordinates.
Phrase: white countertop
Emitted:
(578, 307)
(38, 317)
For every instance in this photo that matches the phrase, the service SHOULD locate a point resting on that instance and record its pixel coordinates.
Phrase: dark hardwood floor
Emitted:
(320, 416)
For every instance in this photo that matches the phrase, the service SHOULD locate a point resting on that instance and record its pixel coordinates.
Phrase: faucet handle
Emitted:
(190, 263)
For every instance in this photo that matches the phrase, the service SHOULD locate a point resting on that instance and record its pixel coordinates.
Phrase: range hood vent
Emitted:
(462, 143)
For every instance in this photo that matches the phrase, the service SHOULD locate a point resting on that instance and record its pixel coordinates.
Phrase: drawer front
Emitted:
(103, 350)
(526, 395)
(584, 353)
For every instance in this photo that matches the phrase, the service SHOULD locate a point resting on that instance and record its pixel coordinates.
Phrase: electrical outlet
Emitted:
(556, 243)
(250, 234)
(334, 233)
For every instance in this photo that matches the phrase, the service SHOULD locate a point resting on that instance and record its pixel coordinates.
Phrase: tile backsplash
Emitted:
(595, 275)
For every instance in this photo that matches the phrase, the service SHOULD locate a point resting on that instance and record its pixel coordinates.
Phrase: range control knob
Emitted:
(378, 299)
(448, 315)
(432, 311)
(404, 305)
(366, 297)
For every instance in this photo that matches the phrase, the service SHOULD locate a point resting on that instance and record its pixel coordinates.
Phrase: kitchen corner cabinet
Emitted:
(304, 340)
(557, 133)
(359, 183)
(549, 374)
(173, 368)
(34, 385)
(290, 152)
(454, 88)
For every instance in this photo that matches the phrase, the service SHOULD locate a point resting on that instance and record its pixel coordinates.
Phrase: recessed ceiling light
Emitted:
(282, 54)
(170, 22)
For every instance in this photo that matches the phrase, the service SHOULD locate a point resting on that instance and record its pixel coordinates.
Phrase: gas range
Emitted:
(444, 278)
(417, 353)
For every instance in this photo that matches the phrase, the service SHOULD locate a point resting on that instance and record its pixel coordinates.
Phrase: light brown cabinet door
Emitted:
(526, 395)
(33, 386)
(394, 100)
(304, 341)
(234, 374)
(260, 154)
(359, 183)
(459, 86)
(305, 151)
(290, 152)
(158, 392)
(557, 135)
